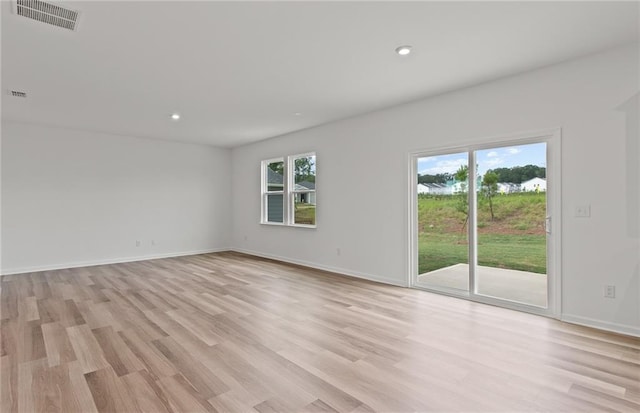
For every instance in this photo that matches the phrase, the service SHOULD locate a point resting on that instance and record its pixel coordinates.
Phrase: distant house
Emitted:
(274, 180)
(305, 185)
(441, 189)
(458, 187)
(435, 189)
(534, 185)
(423, 189)
(508, 188)
(306, 197)
(275, 204)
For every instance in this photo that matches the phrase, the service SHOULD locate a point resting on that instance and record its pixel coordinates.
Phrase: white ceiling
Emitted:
(238, 71)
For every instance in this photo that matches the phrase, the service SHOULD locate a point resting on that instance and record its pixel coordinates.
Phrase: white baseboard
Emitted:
(322, 267)
(626, 329)
(77, 264)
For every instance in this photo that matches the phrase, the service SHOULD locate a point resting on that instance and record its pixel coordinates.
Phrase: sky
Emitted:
(504, 157)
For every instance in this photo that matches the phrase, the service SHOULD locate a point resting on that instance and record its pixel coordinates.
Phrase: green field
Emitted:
(514, 239)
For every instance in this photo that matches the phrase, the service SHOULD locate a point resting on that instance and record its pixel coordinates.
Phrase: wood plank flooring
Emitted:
(228, 332)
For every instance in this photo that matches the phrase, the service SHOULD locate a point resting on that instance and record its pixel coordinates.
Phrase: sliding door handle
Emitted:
(547, 225)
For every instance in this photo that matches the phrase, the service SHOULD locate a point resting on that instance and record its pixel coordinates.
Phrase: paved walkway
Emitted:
(522, 286)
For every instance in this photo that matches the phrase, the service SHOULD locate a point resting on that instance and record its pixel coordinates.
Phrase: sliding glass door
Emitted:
(481, 223)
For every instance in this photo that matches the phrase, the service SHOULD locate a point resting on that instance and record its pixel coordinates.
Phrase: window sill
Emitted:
(303, 226)
(281, 224)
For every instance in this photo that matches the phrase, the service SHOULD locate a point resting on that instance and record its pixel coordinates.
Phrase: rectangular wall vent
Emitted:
(18, 94)
(46, 13)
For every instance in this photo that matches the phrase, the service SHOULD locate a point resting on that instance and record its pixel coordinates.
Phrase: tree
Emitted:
(519, 174)
(441, 178)
(277, 167)
(304, 168)
(490, 188)
(462, 176)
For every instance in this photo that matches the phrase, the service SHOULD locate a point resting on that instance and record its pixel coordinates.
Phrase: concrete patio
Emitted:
(522, 286)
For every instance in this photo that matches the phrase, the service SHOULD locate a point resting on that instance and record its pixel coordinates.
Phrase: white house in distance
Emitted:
(459, 187)
(507, 187)
(452, 187)
(306, 197)
(535, 184)
(435, 189)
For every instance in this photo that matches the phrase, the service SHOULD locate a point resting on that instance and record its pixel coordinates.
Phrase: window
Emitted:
(289, 190)
(273, 192)
(302, 196)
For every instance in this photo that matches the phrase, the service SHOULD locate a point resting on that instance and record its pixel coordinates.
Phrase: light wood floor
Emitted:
(232, 333)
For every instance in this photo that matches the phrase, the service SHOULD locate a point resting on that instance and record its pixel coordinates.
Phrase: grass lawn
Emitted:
(516, 252)
(514, 239)
(305, 214)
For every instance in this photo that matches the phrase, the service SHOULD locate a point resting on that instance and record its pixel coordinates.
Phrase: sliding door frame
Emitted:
(552, 138)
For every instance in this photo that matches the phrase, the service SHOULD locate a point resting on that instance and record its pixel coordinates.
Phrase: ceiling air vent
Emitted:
(46, 13)
(18, 94)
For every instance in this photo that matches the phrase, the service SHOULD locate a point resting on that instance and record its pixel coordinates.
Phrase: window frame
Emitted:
(553, 140)
(265, 192)
(288, 192)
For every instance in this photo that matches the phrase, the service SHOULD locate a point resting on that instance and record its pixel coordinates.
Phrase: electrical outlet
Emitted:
(153, 242)
(583, 211)
(138, 243)
(610, 291)
(338, 252)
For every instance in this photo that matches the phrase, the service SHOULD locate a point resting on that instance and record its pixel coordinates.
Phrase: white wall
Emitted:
(366, 158)
(72, 198)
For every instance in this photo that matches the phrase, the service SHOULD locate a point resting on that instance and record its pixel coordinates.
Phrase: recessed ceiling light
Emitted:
(175, 116)
(298, 114)
(403, 50)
